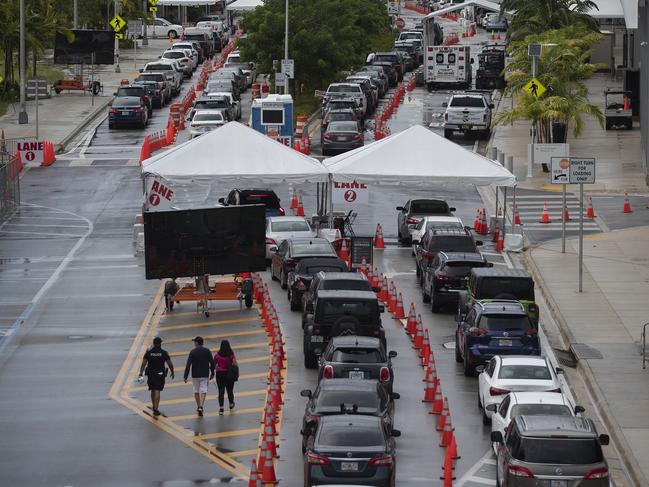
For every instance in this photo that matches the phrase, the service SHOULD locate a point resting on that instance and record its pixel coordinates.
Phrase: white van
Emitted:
(448, 66)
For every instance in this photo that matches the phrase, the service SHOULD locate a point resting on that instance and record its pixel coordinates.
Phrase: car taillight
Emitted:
(445, 117)
(496, 391)
(476, 332)
(557, 390)
(381, 461)
(598, 473)
(314, 459)
(156, 93)
(328, 372)
(270, 241)
(517, 471)
(301, 286)
(533, 309)
(443, 277)
(138, 109)
(282, 211)
(290, 261)
(484, 117)
(384, 374)
(326, 136)
(532, 332)
(114, 110)
(356, 137)
(316, 329)
(412, 221)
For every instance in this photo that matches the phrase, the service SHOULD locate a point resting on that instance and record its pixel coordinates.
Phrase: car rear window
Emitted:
(561, 451)
(341, 117)
(533, 372)
(174, 55)
(130, 91)
(346, 285)
(342, 127)
(159, 67)
(127, 102)
(461, 268)
(312, 270)
(208, 117)
(289, 226)
(351, 435)
(467, 101)
(341, 104)
(453, 243)
(195, 37)
(504, 322)
(381, 58)
(315, 248)
(333, 399)
(441, 225)
(543, 409)
(358, 356)
(430, 207)
(257, 197)
(347, 88)
(506, 287)
(331, 310)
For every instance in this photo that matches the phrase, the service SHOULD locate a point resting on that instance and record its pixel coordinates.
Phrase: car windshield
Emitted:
(259, 197)
(152, 77)
(430, 207)
(333, 309)
(453, 243)
(342, 127)
(461, 268)
(289, 226)
(543, 409)
(333, 399)
(514, 288)
(467, 101)
(315, 248)
(504, 322)
(358, 356)
(209, 104)
(208, 117)
(351, 435)
(194, 37)
(532, 372)
(560, 451)
(350, 88)
(346, 285)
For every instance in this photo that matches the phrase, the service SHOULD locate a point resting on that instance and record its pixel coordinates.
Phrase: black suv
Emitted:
(332, 281)
(340, 313)
(447, 275)
(443, 240)
(299, 280)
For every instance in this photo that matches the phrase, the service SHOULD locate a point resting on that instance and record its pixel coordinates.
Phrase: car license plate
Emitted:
(125, 112)
(317, 338)
(505, 343)
(466, 126)
(558, 483)
(349, 466)
(356, 374)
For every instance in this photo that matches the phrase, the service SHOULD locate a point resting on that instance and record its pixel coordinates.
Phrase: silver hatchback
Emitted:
(551, 451)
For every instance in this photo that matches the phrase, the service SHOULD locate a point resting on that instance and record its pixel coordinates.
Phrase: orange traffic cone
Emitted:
(411, 324)
(419, 336)
(379, 243)
(253, 480)
(441, 421)
(447, 433)
(293, 205)
(431, 368)
(269, 441)
(344, 253)
(627, 204)
(267, 467)
(363, 268)
(384, 292)
(145, 151)
(517, 216)
(496, 233)
(476, 221)
(392, 297)
(483, 227)
(566, 215)
(590, 211)
(500, 244)
(299, 211)
(448, 469)
(399, 313)
(425, 349)
(626, 102)
(429, 391)
(438, 403)
(545, 216)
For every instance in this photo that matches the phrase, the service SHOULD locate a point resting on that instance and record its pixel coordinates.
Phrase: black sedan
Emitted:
(357, 357)
(350, 448)
(292, 251)
(128, 110)
(341, 137)
(299, 280)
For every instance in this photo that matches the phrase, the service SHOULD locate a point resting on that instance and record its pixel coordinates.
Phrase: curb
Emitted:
(82, 125)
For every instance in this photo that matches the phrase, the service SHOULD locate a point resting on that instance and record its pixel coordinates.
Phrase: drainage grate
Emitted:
(565, 358)
(585, 352)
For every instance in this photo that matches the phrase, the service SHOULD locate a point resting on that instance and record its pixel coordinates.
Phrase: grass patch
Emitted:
(305, 103)
(42, 71)
(3, 107)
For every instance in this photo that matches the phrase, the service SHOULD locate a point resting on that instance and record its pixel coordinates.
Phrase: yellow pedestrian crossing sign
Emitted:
(117, 23)
(534, 88)
(153, 2)
(153, 9)
(119, 36)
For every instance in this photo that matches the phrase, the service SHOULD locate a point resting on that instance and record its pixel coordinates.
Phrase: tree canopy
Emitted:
(325, 36)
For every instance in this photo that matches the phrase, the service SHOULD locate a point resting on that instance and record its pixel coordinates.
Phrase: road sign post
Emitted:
(559, 167)
(582, 171)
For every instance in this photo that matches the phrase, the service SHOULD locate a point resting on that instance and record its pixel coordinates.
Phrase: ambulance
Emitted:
(448, 67)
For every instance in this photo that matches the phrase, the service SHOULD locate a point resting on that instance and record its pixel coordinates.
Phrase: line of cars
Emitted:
(348, 433)
(540, 437)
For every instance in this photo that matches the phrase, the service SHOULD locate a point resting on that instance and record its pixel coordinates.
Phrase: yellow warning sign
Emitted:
(117, 23)
(153, 9)
(119, 36)
(153, 2)
(534, 88)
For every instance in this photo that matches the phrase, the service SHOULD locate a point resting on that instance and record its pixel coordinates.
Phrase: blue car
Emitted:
(128, 110)
(499, 327)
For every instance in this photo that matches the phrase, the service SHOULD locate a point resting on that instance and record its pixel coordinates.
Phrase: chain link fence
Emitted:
(9, 185)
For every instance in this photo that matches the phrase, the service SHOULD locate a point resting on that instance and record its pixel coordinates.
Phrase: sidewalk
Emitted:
(605, 321)
(62, 116)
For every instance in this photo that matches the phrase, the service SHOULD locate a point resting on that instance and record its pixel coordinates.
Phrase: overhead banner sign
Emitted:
(159, 195)
(350, 193)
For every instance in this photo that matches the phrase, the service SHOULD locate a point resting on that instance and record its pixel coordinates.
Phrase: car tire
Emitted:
(469, 371)
(424, 295)
(294, 306)
(486, 420)
(434, 299)
(458, 355)
(288, 295)
(248, 300)
(111, 126)
(485, 134)
(282, 280)
(417, 271)
(448, 134)
(272, 274)
(310, 360)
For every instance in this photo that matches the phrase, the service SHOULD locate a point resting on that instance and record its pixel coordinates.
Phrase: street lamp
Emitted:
(22, 115)
(286, 46)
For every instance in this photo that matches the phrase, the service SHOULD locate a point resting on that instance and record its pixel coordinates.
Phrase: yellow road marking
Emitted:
(212, 397)
(211, 415)
(189, 384)
(553, 187)
(208, 323)
(227, 434)
(242, 453)
(597, 236)
(216, 336)
(249, 360)
(194, 313)
(237, 347)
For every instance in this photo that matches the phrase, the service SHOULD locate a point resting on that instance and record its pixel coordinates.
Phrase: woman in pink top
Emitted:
(223, 360)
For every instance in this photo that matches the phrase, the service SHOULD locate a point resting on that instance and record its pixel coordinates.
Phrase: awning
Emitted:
(486, 4)
(617, 9)
(244, 5)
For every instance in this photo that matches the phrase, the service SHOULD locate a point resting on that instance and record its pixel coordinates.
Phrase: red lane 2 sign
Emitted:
(349, 193)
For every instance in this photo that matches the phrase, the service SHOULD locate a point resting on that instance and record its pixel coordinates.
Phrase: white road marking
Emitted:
(481, 480)
(20, 217)
(41, 233)
(45, 225)
(468, 476)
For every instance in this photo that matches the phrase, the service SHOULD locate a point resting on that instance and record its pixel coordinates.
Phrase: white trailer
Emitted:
(447, 67)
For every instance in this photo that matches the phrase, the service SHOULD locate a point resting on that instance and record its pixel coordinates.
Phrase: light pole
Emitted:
(117, 68)
(145, 39)
(75, 14)
(286, 47)
(22, 115)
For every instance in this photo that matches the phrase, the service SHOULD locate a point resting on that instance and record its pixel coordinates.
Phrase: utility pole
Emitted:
(117, 68)
(75, 14)
(286, 80)
(145, 39)
(22, 115)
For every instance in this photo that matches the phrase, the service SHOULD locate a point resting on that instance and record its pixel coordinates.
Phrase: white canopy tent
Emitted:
(417, 157)
(244, 5)
(234, 152)
(485, 4)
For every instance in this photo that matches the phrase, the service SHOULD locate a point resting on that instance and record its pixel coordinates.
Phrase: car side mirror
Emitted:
(580, 409)
(490, 264)
(141, 70)
(381, 308)
(376, 289)
(159, 57)
(479, 369)
(452, 208)
(478, 243)
(392, 353)
(115, 94)
(399, 208)
(491, 105)
(222, 201)
(415, 242)
(604, 440)
(395, 433)
(496, 437)
(491, 407)
(395, 395)
(306, 393)
(472, 60)
(445, 104)
(558, 370)
(460, 317)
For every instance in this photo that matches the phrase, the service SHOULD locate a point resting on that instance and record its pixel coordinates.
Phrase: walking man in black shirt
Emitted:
(153, 363)
(201, 362)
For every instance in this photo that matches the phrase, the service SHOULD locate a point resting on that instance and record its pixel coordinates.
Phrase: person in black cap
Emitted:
(201, 363)
(153, 365)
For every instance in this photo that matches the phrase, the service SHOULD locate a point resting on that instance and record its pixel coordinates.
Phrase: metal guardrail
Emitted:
(10, 146)
(9, 185)
(644, 345)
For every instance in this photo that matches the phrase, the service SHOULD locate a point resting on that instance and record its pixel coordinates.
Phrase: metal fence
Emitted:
(9, 185)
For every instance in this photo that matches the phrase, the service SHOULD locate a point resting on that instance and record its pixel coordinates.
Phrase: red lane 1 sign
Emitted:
(31, 153)
(350, 193)
(158, 195)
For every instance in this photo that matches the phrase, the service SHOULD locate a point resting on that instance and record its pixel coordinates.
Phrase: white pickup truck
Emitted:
(468, 112)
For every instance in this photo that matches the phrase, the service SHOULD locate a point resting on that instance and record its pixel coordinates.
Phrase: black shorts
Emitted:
(156, 382)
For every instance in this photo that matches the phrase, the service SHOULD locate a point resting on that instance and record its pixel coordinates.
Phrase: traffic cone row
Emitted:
(480, 225)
